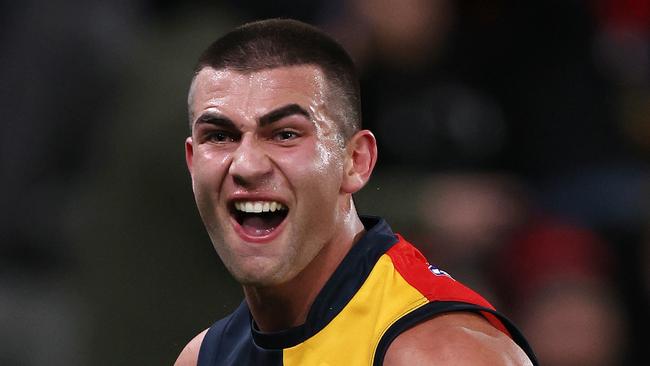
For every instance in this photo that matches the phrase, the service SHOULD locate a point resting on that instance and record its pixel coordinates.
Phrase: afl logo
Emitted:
(438, 272)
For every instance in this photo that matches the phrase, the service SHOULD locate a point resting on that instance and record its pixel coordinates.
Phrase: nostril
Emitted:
(239, 181)
(251, 169)
(254, 181)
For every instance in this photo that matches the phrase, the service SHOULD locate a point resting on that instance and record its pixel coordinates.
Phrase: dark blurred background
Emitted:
(514, 150)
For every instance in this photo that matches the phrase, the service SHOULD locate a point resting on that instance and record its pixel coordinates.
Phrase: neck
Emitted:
(286, 305)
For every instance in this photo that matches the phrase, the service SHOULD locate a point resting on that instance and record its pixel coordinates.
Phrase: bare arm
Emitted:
(455, 339)
(190, 354)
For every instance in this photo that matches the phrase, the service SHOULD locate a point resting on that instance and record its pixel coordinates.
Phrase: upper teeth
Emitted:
(259, 206)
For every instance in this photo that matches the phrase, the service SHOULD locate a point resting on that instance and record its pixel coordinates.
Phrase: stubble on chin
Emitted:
(255, 271)
(260, 274)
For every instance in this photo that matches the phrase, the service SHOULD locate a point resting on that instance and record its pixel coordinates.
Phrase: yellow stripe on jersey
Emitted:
(383, 298)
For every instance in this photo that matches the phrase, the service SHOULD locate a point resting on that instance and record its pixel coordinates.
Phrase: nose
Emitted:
(250, 166)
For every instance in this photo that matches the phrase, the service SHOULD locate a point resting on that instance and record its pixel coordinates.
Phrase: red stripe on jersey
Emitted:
(414, 268)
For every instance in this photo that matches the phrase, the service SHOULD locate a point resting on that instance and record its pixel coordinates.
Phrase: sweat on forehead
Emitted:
(303, 85)
(275, 43)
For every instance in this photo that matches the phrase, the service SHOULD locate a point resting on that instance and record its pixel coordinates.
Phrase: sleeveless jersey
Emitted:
(381, 288)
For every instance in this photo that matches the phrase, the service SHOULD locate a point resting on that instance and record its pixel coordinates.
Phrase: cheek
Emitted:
(329, 159)
(325, 160)
(207, 154)
(208, 164)
(208, 172)
(315, 172)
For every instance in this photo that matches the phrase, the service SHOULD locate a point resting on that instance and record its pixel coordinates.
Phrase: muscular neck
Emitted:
(286, 305)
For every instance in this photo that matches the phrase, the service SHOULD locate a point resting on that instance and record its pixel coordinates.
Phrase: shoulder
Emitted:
(454, 339)
(237, 327)
(190, 354)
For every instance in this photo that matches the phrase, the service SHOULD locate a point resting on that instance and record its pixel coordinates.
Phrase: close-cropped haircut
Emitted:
(273, 43)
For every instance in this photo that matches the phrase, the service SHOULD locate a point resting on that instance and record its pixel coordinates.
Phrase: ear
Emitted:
(360, 161)
(189, 153)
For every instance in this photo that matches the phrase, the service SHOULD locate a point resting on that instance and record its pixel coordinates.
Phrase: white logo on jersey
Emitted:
(438, 272)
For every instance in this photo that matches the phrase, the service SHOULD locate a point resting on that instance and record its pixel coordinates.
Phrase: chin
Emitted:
(258, 280)
(259, 273)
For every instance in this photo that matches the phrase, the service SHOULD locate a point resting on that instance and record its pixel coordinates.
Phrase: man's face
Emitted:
(265, 141)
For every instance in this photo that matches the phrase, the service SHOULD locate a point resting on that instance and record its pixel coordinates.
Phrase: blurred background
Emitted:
(514, 150)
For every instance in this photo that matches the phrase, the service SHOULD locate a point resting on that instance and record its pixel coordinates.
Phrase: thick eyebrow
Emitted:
(282, 112)
(216, 119)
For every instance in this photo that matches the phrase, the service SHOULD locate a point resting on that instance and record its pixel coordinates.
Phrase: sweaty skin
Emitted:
(455, 339)
(238, 153)
(299, 160)
(259, 167)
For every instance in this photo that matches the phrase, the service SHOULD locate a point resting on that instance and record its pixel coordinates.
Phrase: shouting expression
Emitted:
(267, 161)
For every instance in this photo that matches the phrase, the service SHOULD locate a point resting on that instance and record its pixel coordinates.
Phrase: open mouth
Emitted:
(259, 218)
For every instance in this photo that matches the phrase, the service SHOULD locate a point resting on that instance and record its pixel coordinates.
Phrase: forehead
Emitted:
(267, 88)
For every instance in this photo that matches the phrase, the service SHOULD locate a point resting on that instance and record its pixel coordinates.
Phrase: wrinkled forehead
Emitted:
(250, 95)
(305, 81)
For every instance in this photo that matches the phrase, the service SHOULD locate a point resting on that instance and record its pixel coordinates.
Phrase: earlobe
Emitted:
(189, 153)
(360, 161)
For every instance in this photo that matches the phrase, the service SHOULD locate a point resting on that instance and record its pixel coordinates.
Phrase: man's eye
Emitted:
(221, 136)
(285, 135)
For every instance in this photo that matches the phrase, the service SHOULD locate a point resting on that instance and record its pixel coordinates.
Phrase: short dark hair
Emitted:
(272, 43)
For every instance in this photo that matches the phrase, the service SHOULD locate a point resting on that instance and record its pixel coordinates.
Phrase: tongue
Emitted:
(259, 226)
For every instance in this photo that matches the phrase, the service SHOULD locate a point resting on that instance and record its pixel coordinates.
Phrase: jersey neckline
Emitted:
(346, 280)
